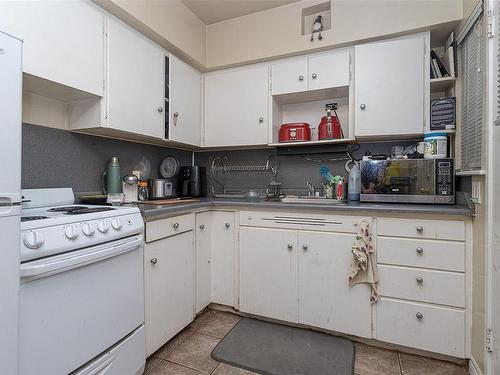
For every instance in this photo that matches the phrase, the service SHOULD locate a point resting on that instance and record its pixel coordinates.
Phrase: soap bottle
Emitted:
(354, 183)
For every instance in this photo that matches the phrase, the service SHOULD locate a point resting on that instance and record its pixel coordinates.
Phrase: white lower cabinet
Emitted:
(169, 288)
(202, 263)
(325, 298)
(222, 258)
(268, 273)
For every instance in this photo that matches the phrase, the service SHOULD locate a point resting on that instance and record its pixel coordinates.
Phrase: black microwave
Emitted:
(408, 181)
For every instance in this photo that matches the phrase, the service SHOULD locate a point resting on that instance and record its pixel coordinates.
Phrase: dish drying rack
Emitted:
(220, 172)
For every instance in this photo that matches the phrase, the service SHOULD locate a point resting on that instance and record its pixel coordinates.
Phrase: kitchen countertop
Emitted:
(152, 212)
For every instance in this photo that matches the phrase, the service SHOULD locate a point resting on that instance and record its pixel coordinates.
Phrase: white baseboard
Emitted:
(474, 367)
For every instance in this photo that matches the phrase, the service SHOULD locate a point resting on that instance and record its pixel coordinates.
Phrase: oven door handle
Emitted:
(100, 368)
(47, 268)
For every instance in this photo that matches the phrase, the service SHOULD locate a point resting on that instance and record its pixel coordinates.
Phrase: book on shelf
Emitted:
(441, 69)
(445, 65)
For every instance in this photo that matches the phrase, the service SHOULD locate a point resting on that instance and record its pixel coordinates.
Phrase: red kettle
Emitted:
(329, 127)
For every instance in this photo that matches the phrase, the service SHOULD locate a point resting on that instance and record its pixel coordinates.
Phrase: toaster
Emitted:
(295, 132)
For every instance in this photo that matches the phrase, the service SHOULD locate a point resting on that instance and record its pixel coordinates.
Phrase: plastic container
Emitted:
(435, 146)
(354, 186)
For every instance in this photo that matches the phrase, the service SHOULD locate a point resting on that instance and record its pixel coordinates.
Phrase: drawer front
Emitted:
(330, 223)
(441, 287)
(411, 252)
(159, 229)
(439, 329)
(422, 228)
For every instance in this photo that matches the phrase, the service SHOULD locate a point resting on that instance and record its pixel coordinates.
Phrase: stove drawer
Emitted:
(158, 229)
(421, 228)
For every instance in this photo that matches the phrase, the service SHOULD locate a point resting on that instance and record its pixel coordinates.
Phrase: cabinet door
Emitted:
(331, 70)
(389, 88)
(268, 273)
(63, 40)
(223, 258)
(202, 254)
(185, 103)
(325, 298)
(289, 77)
(135, 82)
(169, 288)
(236, 107)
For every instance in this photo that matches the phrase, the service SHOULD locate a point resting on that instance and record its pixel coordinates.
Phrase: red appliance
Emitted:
(329, 127)
(295, 132)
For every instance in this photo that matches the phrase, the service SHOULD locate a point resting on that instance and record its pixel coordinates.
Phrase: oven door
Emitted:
(76, 305)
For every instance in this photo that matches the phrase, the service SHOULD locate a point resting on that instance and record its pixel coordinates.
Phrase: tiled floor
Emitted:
(188, 353)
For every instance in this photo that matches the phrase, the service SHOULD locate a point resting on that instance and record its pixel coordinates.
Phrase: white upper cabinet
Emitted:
(63, 40)
(135, 82)
(389, 83)
(236, 107)
(329, 70)
(288, 77)
(185, 103)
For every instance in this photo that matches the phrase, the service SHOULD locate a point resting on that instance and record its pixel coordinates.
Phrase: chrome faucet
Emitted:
(311, 188)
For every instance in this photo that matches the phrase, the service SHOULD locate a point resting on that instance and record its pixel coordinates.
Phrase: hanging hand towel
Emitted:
(364, 264)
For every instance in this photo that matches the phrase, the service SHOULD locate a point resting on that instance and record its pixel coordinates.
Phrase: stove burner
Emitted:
(66, 208)
(31, 218)
(87, 210)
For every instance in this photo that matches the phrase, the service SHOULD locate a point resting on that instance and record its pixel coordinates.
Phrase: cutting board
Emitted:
(171, 201)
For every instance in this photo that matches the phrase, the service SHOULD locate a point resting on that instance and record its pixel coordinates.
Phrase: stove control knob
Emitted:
(71, 232)
(88, 229)
(116, 224)
(33, 240)
(103, 226)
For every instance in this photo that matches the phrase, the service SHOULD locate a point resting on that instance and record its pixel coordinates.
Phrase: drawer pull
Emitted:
(301, 78)
(176, 225)
(305, 247)
(228, 225)
(202, 226)
(419, 316)
(420, 229)
(420, 250)
(290, 246)
(154, 260)
(420, 280)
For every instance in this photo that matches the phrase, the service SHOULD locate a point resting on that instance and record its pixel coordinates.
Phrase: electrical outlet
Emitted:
(476, 192)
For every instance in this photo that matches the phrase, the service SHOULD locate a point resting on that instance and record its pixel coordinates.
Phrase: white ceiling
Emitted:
(212, 11)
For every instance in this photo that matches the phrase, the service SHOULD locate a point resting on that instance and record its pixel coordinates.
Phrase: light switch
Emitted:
(476, 192)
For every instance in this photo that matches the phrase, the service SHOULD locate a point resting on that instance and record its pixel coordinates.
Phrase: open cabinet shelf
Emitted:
(442, 84)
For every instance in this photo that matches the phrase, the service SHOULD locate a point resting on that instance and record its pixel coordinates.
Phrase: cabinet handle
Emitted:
(202, 226)
(154, 260)
(314, 76)
(176, 225)
(290, 246)
(420, 229)
(420, 250)
(419, 315)
(305, 247)
(176, 116)
(301, 78)
(160, 109)
(228, 225)
(363, 107)
(420, 280)
(261, 119)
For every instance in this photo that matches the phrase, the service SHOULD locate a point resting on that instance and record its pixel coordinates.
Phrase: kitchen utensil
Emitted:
(295, 132)
(143, 192)
(329, 127)
(325, 172)
(169, 167)
(130, 188)
(160, 188)
(93, 199)
(252, 195)
(111, 177)
(354, 185)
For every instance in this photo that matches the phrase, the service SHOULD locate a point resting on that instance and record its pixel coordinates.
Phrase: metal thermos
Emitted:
(112, 176)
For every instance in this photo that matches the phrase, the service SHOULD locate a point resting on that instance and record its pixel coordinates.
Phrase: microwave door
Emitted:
(424, 178)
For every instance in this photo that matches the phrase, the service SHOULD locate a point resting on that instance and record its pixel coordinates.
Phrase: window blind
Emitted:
(471, 69)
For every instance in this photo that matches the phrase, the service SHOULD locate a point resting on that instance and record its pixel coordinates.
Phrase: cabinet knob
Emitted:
(314, 75)
(305, 247)
(160, 109)
(261, 119)
(362, 106)
(419, 315)
(420, 250)
(154, 260)
(290, 246)
(202, 226)
(420, 280)
(176, 225)
(176, 116)
(228, 225)
(420, 229)
(301, 78)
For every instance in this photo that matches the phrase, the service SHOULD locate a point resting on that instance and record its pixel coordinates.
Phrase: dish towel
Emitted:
(364, 264)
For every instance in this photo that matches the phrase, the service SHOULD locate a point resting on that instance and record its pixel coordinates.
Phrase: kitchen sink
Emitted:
(312, 200)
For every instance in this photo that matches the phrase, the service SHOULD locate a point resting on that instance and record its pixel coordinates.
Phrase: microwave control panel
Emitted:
(445, 177)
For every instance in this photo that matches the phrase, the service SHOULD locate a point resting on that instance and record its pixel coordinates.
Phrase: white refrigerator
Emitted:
(10, 198)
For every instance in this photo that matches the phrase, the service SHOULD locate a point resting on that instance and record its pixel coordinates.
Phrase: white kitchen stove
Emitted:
(51, 223)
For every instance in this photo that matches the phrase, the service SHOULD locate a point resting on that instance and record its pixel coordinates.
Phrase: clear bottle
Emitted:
(143, 192)
(354, 183)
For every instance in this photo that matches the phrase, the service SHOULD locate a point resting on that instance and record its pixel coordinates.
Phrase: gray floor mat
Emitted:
(275, 349)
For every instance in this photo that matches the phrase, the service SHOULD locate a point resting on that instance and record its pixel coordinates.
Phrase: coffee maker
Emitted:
(192, 182)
